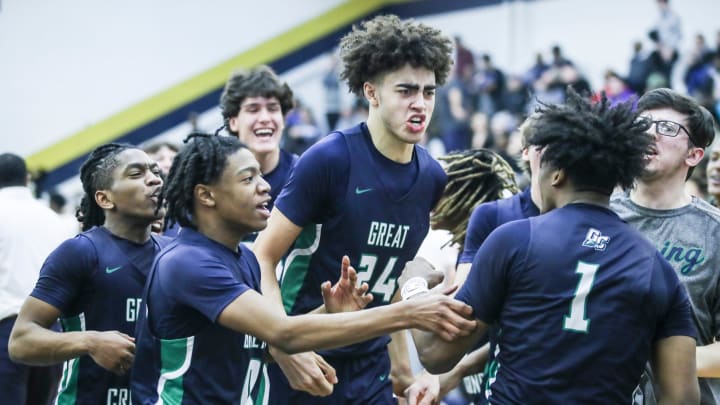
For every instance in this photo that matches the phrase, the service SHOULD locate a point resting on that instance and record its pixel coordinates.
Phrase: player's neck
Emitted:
(213, 227)
(127, 228)
(660, 195)
(586, 197)
(387, 143)
(268, 161)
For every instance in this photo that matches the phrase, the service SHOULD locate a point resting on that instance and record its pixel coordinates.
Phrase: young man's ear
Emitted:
(204, 195)
(694, 156)
(369, 91)
(558, 178)
(104, 199)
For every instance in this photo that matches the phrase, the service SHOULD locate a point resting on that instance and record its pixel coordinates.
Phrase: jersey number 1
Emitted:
(577, 320)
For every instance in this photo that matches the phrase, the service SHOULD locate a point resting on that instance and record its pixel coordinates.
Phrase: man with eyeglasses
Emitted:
(685, 229)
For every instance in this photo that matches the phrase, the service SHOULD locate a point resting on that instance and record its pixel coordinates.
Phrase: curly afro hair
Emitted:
(599, 146)
(387, 43)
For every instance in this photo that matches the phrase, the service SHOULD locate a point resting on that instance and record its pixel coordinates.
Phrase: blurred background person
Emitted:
(29, 231)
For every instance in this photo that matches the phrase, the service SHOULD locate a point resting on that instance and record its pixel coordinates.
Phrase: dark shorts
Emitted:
(21, 384)
(361, 380)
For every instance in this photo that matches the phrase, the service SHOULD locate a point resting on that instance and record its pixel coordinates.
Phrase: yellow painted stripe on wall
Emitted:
(156, 106)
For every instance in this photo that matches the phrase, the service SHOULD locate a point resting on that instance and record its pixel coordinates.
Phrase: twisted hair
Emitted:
(201, 161)
(387, 43)
(599, 146)
(96, 173)
(258, 82)
(474, 177)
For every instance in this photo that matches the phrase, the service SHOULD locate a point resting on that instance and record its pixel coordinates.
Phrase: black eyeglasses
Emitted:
(667, 128)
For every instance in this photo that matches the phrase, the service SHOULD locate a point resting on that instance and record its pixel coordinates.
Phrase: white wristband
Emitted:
(413, 287)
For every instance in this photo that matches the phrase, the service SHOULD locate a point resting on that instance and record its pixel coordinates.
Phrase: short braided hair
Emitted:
(201, 161)
(96, 173)
(475, 176)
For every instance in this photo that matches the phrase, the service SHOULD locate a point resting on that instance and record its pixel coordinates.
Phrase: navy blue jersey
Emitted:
(183, 356)
(486, 217)
(278, 176)
(96, 281)
(359, 204)
(579, 298)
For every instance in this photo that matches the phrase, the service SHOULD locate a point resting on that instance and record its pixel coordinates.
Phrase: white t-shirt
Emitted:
(29, 231)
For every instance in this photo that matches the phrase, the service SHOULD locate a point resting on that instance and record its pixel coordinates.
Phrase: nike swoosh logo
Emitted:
(109, 270)
(359, 190)
(383, 377)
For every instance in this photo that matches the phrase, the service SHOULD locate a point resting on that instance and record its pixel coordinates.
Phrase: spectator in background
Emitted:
(481, 137)
(490, 82)
(558, 59)
(516, 95)
(331, 85)
(666, 35)
(463, 57)
(354, 115)
(698, 74)
(502, 125)
(163, 153)
(536, 70)
(668, 28)
(615, 88)
(454, 108)
(57, 203)
(638, 73)
(302, 130)
(29, 231)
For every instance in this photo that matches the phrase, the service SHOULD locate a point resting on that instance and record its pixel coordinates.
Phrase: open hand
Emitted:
(345, 295)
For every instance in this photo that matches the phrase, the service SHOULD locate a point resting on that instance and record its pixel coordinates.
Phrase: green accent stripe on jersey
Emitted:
(175, 359)
(298, 263)
(264, 389)
(68, 388)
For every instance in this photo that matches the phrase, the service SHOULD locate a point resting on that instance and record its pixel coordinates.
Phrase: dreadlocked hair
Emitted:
(598, 145)
(475, 176)
(201, 161)
(96, 173)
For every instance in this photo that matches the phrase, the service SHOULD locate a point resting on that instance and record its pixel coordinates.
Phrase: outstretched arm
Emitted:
(437, 313)
(307, 372)
(33, 342)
